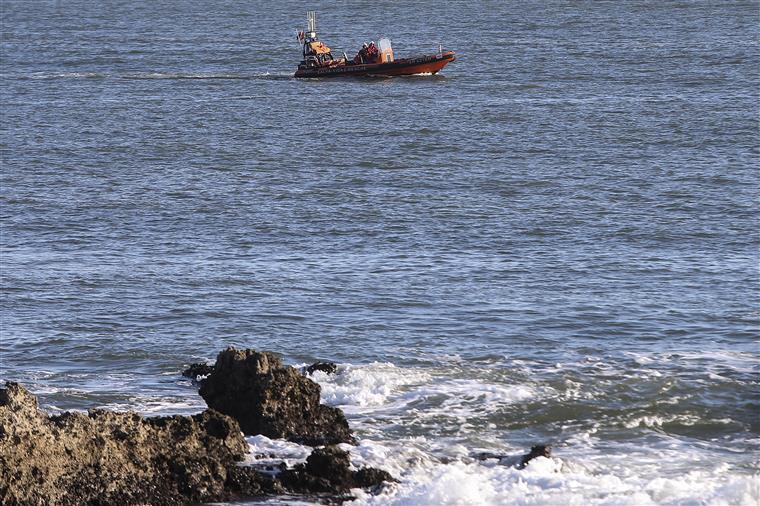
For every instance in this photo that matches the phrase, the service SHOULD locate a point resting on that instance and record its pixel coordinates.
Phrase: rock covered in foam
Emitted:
(535, 451)
(268, 398)
(521, 461)
(114, 458)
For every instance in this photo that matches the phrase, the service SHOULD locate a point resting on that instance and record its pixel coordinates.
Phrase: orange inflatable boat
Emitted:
(372, 60)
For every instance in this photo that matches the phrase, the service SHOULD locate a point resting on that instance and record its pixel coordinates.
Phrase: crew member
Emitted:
(361, 55)
(372, 52)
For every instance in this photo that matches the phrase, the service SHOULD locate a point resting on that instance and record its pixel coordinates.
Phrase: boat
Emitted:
(372, 60)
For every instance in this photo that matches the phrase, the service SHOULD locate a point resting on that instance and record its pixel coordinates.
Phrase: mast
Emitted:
(314, 52)
(311, 31)
(311, 22)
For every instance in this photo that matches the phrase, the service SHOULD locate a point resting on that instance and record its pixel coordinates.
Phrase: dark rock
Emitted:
(517, 461)
(104, 457)
(535, 451)
(371, 477)
(196, 370)
(325, 367)
(328, 470)
(268, 398)
(330, 463)
(486, 456)
(246, 482)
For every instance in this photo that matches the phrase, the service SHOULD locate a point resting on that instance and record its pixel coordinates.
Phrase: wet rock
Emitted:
(268, 398)
(371, 477)
(247, 482)
(197, 370)
(535, 451)
(325, 367)
(330, 463)
(517, 461)
(486, 456)
(104, 457)
(328, 470)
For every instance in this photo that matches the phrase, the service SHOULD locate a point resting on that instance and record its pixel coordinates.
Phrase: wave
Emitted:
(430, 473)
(547, 481)
(385, 387)
(378, 384)
(587, 467)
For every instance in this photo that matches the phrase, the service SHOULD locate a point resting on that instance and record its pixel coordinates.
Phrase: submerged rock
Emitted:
(535, 451)
(325, 367)
(112, 458)
(268, 398)
(518, 461)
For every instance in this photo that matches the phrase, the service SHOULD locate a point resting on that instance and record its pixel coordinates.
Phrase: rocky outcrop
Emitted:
(103, 457)
(112, 458)
(268, 398)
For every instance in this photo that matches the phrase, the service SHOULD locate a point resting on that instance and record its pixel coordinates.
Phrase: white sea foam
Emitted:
(383, 387)
(588, 470)
(545, 481)
(261, 449)
(738, 361)
(654, 421)
(462, 398)
(354, 388)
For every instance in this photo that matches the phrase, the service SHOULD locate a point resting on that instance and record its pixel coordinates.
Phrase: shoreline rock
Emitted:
(271, 399)
(110, 458)
(105, 457)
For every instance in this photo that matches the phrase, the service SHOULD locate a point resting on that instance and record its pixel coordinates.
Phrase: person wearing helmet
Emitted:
(361, 56)
(372, 52)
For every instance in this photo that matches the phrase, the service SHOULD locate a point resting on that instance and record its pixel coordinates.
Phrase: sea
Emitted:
(553, 241)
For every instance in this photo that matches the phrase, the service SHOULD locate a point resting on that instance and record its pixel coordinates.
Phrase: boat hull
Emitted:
(430, 64)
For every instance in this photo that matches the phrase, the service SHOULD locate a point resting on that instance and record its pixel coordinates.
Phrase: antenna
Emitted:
(311, 21)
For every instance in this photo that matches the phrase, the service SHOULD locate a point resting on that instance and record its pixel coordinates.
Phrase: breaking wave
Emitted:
(585, 468)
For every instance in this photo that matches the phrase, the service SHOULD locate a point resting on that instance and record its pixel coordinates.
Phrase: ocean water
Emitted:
(553, 241)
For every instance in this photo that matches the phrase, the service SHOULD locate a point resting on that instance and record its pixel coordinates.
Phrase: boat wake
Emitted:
(155, 75)
(199, 76)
